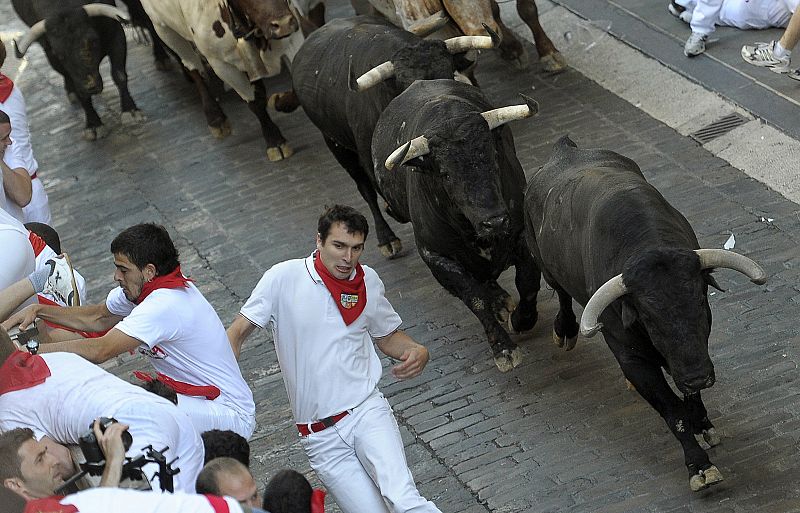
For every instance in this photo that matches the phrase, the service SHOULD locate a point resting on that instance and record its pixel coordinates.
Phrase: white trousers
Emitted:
(16, 258)
(362, 462)
(741, 14)
(207, 415)
(38, 210)
(161, 425)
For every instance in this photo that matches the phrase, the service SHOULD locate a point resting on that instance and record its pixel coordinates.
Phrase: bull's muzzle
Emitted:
(282, 27)
(493, 227)
(694, 385)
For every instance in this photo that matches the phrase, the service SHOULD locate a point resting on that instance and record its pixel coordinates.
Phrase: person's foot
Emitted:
(794, 74)
(695, 45)
(679, 11)
(763, 55)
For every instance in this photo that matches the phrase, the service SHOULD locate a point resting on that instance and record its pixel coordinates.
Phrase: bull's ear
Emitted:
(629, 315)
(710, 281)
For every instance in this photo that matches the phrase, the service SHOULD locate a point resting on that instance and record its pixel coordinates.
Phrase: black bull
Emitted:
(463, 197)
(347, 117)
(593, 222)
(75, 42)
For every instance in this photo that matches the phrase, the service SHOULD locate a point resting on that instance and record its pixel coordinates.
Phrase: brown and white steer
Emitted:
(243, 41)
(468, 18)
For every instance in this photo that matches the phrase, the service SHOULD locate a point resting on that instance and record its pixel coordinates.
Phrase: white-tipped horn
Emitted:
(106, 10)
(36, 31)
(429, 25)
(710, 258)
(462, 44)
(503, 115)
(416, 147)
(611, 290)
(375, 76)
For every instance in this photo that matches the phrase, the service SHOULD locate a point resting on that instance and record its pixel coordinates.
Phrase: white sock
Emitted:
(781, 52)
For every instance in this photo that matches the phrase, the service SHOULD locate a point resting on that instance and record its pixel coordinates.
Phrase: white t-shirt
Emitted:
(185, 340)
(327, 366)
(6, 204)
(118, 500)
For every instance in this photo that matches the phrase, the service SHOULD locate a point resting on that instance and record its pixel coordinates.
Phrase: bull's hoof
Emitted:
(94, 133)
(507, 360)
(132, 117)
(520, 322)
(705, 478)
(163, 64)
(554, 62)
(72, 98)
(391, 250)
(222, 131)
(566, 343)
(283, 102)
(284, 151)
(711, 437)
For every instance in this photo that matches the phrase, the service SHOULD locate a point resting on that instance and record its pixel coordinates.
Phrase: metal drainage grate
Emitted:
(718, 128)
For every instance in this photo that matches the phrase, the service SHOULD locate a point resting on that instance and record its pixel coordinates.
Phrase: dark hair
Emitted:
(288, 492)
(10, 502)
(10, 442)
(227, 444)
(2, 52)
(147, 243)
(48, 234)
(4, 118)
(354, 221)
(160, 389)
(207, 482)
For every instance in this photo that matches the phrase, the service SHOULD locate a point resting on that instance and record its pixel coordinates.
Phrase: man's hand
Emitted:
(23, 318)
(414, 360)
(113, 448)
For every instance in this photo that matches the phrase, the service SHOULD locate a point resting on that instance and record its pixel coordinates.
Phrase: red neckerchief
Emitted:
(210, 392)
(318, 501)
(172, 280)
(49, 505)
(22, 370)
(350, 296)
(37, 243)
(217, 503)
(6, 85)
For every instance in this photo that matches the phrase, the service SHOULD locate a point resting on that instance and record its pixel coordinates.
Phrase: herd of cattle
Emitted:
(400, 117)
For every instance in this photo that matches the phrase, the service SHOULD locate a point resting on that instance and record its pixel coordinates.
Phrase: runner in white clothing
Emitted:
(325, 312)
(162, 314)
(16, 181)
(59, 395)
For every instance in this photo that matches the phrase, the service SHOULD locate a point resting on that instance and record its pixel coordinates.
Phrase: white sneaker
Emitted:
(61, 286)
(762, 54)
(695, 45)
(794, 74)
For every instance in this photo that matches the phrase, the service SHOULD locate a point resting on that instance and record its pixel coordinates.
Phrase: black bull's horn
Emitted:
(385, 70)
(38, 29)
(614, 288)
(418, 146)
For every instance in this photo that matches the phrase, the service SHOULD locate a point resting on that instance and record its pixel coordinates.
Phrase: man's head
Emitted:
(48, 234)
(28, 467)
(141, 253)
(5, 130)
(226, 444)
(226, 476)
(288, 492)
(2, 53)
(341, 232)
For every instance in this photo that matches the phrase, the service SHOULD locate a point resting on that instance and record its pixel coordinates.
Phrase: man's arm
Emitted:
(401, 347)
(17, 184)
(14, 295)
(239, 330)
(96, 350)
(84, 318)
(113, 449)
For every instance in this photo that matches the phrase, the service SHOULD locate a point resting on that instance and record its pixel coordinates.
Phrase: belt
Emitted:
(33, 176)
(307, 429)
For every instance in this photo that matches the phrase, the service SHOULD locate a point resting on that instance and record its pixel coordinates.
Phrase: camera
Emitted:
(95, 459)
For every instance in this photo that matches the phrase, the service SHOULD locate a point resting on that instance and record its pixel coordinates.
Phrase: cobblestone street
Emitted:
(560, 433)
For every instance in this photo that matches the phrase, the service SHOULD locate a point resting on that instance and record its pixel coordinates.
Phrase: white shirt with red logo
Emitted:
(119, 500)
(185, 340)
(327, 366)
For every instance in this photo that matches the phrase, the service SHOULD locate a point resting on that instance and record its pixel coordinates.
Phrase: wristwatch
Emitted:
(32, 346)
